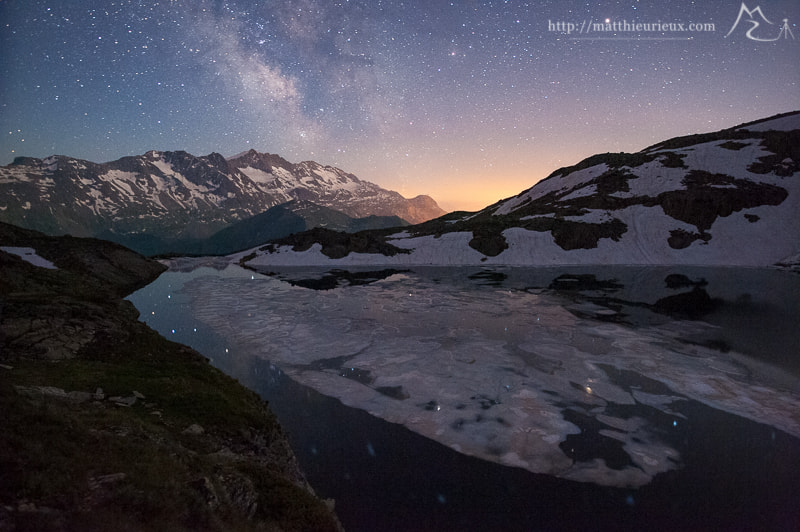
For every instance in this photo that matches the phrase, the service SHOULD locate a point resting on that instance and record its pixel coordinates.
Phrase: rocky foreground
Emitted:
(107, 425)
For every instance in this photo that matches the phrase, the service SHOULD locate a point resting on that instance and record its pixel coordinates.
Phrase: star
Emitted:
(358, 84)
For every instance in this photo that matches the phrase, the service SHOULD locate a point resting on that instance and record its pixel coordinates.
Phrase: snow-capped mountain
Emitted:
(330, 187)
(726, 198)
(175, 195)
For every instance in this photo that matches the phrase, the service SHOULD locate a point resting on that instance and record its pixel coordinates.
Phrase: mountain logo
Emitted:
(752, 15)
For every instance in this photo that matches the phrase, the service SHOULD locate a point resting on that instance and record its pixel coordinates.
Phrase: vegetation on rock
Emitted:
(107, 425)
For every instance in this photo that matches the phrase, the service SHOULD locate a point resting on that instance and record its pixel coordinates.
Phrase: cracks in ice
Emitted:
(511, 377)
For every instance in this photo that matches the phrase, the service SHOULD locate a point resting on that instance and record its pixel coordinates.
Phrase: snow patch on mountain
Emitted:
(551, 185)
(15, 175)
(167, 169)
(785, 123)
(727, 198)
(116, 178)
(175, 196)
(258, 176)
(713, 157)
(30, 256)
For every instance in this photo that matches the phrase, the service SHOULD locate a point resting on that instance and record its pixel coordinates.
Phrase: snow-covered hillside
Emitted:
(163, 195)
(726, 198)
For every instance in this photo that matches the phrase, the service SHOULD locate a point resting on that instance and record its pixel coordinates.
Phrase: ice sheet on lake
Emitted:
(501, 375)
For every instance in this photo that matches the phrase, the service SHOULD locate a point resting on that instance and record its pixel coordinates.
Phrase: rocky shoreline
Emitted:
(106, 424)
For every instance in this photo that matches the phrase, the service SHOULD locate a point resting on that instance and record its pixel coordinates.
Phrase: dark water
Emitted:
(735, 473)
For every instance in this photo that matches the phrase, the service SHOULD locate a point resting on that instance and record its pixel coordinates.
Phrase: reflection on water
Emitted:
(601, 376)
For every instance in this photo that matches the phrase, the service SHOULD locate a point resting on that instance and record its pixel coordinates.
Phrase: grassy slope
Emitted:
(83, 463)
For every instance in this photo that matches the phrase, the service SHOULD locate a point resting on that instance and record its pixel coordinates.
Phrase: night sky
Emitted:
(468, 101)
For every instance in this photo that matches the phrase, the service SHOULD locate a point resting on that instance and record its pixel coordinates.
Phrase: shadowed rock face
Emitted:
(57, 313)
(336, 245)
(709, 196)
(86, 386)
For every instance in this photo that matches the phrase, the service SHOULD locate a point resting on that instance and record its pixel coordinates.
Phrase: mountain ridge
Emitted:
(175, 196)
(281, 220)
(696, 199)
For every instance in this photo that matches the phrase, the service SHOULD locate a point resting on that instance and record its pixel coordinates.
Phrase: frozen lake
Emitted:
(486, 397)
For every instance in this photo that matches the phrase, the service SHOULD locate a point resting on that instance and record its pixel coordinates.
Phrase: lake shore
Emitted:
(107, 424)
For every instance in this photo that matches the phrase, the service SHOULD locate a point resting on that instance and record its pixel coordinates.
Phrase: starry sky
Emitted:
(469, 101)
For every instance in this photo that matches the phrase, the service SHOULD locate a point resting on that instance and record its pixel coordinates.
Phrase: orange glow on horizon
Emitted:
(471, 194)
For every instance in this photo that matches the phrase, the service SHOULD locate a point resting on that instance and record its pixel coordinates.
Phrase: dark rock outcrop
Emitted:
(96, 407)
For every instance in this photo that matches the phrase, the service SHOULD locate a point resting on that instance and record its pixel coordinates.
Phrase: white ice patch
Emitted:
(488, 372)
(29, 255)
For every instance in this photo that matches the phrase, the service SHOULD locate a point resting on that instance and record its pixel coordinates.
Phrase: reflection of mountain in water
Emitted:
(335, 278)
(692, 304)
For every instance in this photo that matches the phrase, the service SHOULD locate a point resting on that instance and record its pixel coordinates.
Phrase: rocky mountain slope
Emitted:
(160, 198)
(726, 198)
(282, 220)
(108, 426)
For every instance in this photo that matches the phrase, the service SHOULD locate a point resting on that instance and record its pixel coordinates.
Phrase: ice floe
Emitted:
(510, 376)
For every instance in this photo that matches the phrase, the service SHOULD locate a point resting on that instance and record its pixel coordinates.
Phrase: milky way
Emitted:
(469, 101)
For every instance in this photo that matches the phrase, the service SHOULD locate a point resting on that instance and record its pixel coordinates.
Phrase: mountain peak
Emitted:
(140, 201)
(258, 160)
